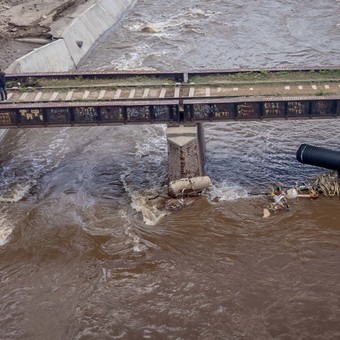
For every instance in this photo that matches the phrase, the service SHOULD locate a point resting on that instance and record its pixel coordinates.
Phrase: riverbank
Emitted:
(67, 29)
(22, 22)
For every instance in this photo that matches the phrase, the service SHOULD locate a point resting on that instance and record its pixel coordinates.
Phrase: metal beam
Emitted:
(89, 113)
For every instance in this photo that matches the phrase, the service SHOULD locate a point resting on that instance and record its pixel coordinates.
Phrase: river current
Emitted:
(85, 254)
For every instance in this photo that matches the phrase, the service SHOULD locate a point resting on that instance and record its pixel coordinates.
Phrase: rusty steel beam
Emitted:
(89, 113)
(207, 72)
(251, 108)
(177, 76)
(170, 112)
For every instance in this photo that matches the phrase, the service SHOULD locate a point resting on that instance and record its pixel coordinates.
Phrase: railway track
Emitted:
(108, 86)
(109, 98)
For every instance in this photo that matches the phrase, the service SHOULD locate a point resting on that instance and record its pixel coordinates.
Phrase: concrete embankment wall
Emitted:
(75, 41)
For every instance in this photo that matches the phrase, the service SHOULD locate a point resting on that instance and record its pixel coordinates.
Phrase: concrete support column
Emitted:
(186, 152)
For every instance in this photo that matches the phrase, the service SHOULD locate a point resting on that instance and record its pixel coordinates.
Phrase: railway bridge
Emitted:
(182, 100)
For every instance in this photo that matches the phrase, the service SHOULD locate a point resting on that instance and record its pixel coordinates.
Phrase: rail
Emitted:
(172, 98)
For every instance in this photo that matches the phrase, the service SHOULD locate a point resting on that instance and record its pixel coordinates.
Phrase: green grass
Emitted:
(267, 76)
(123, 81)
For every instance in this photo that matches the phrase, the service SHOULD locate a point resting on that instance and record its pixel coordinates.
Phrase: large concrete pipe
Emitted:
(321, 157)
(189, 186)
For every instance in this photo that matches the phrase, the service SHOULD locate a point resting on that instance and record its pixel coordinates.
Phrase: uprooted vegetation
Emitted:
(325, 184)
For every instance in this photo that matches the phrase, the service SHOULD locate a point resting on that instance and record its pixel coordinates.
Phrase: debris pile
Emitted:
(282, 196)
(325, 184)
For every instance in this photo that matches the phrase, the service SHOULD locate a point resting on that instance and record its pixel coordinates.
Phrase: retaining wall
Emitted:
(75, 41)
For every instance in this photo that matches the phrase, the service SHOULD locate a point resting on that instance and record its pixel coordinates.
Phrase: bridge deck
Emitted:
(173, 98)
(199, 86)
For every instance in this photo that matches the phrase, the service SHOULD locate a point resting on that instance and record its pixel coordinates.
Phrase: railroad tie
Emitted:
(101, 94)
(146, 93)
(162, 94)
(69, 95)
(54, 96)
(38, 96)
(132, 93)
(117, 94)
(23, 96)
(86, 94)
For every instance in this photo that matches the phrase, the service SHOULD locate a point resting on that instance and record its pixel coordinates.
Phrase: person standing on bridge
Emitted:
(3, 91)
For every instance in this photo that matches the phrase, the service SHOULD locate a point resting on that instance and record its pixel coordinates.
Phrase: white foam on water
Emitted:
(150, 154)
(17, 192)
(6, 229)
(151, 36)
(2, 133)
(143, 203)
(135, 241)
(172, 26)
(29, 161)
(197, 12)
(226, 191)
(155, 143)
(133, 60)
(158, 27)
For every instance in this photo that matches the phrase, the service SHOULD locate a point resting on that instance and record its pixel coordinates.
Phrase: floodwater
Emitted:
(84, 252)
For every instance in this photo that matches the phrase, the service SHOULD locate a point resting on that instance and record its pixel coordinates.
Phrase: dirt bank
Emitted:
(33, 19)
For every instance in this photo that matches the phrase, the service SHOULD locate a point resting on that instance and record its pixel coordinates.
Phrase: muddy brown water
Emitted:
(84, 252)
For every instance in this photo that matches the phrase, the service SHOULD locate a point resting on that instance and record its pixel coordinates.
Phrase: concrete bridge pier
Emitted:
(186, 151)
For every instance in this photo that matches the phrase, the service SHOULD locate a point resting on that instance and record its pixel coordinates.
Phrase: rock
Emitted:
(148, 29)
